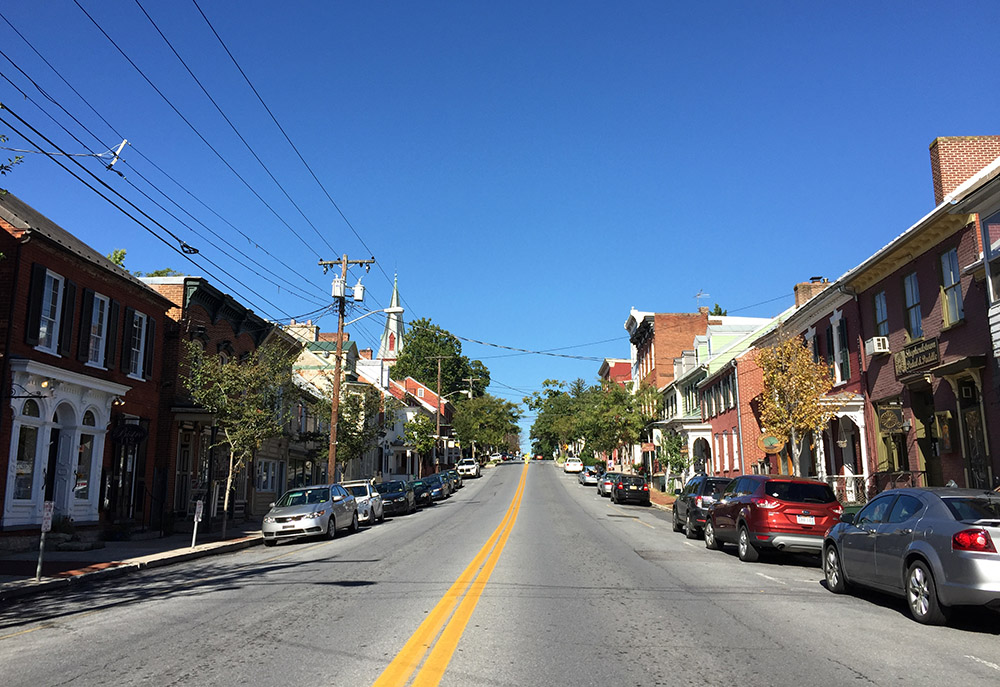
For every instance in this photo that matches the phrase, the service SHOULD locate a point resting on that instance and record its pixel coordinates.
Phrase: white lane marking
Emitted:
(994, 666)
(687, 543)
(773, 579)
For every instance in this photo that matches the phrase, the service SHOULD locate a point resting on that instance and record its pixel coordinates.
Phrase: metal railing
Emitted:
(849, 489)
(858, 489)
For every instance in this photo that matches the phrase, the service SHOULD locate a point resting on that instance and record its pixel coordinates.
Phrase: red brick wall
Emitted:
(956, 158)
(673, 334)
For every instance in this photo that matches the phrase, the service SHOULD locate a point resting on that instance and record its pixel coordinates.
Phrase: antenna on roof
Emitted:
(698, 296)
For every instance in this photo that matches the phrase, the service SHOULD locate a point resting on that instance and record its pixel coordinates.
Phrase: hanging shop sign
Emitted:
(890, 420)
(128, 434)
(917, 356)
(770, 444)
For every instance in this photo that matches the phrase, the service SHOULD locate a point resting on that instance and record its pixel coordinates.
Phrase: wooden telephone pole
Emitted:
(340, 294)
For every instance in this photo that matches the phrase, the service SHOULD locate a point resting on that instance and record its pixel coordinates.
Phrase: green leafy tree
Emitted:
(794, 403)
(617, 418)
(718, 311)
(358, 422)
(117, 256)
(420, 433)
(485, 420)
(672, 454)
(556, 421)
(165, 272)
(423, 343)
(247, 399)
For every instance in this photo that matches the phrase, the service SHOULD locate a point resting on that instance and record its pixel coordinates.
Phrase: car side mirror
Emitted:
(724, 499)
(271, 505)
(677, 492)
(338, 498)
(847, 517)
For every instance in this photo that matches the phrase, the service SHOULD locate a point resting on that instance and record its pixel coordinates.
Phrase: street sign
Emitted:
(47, 508)
(199, 508)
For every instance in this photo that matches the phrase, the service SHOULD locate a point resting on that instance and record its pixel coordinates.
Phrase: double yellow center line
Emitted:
(464, 594)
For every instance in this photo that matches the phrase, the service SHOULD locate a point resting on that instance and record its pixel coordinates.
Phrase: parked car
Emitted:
(629, 488)
(456, 478)
(448, 481)
(936, 547)
(422, 493)
(397, 497)
(370, 507)
(573, 465)
(777, 512)
(307, 511)
(468, 467)
(692, 502)
(588, 476)
(606, 481)
(437, 486)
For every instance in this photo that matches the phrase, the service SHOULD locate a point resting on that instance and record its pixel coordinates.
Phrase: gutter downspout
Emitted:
(739, 416)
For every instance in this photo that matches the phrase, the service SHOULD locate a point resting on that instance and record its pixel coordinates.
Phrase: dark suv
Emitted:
(774, 512)
(692, 502)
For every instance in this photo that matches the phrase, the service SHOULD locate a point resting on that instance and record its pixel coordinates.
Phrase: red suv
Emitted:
(772, 512)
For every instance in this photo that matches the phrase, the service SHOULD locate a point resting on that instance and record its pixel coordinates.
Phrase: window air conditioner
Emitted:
(877, 345)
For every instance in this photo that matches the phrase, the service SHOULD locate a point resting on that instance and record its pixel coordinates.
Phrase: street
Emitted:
(583, 592)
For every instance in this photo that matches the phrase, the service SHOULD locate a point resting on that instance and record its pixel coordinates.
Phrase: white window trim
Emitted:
(136, 358)
(99, 363)
(60, 286)
(838, 315)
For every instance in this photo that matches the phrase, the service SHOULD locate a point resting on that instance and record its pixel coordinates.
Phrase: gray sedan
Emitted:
(303, 512)
(936, 547)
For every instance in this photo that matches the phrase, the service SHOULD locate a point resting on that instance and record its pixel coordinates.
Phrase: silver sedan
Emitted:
(936, 547)
(307, 511)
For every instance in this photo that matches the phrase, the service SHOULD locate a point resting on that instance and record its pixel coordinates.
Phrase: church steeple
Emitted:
(392, 336)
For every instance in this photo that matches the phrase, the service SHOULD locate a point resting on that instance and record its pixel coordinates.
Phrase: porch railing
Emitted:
(857, 490)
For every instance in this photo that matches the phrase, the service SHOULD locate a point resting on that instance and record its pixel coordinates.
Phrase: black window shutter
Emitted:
(111, 342)
(66, 318)
(86, 319)
(36, 292)
(128, 326)
(147, 354)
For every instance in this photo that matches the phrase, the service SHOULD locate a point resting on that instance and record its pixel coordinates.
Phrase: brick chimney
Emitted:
(365, 353)
(807, 289)
(956, 158)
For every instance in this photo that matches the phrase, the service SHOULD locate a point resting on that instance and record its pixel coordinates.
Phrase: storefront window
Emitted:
(81, 489)
(24, 478)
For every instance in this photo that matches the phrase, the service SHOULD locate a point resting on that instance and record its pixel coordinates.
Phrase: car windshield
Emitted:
(387, 487)
(433, 480)
(358, 490)
(800, 492)
(301, 497)
(637, 480)
(973, 508)
(418, 484)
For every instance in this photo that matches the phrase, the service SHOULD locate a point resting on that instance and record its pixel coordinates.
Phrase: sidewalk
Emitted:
(63, 568)
(661, 500)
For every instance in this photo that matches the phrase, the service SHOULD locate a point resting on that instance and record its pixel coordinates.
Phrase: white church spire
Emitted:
(392, 337)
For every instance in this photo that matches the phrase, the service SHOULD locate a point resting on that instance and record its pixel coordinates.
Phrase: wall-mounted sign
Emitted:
(770, 444)
(890, 420)
(648, 447)
(917, 356)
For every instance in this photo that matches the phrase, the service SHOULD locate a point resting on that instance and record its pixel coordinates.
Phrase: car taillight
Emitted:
(765, 503)
(697, 502)
(838, 509)
(645, 487)
(973, 540)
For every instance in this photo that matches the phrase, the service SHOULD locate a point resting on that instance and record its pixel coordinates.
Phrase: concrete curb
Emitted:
(14, 590)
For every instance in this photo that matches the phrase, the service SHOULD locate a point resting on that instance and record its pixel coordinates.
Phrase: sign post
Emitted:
(199, 508)
(47, 509)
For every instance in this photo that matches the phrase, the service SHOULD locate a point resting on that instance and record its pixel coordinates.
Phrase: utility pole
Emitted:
(437, 435)
(340, 295)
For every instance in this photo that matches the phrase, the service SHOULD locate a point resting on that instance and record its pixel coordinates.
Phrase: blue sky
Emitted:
(531, 170)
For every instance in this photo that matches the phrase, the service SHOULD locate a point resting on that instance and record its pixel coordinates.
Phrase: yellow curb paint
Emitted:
(398, 672)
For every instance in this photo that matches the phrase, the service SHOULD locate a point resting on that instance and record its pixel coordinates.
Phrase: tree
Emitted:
(420, 432)
(672, 454)
(485, 420)
(556, 422)
(718, 311)
(617, 418)
(357, 422)
(117, 256)
(247, 398)
(7, 167)
(794, 403)
(423, 343)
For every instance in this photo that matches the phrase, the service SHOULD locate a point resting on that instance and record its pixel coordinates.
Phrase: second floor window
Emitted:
(48, 332)
(137, 344)
(881, 315)
(911, 301)
(951, 286)
(98, 330)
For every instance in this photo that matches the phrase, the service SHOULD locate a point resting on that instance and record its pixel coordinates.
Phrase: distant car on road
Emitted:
(692, 502)
(398, 497)
(437, 486)
(935, 547)
(307, 511)
(606, 481)
(468, 467)
(629, 488)
(588, 476)
(573, 465)
(370, 507)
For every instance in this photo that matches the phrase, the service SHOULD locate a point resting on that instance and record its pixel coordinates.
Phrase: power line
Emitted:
(196, 132)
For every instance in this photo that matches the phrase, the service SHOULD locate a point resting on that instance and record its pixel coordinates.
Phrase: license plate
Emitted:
(806, 519)
(633, 487)
(287, 527)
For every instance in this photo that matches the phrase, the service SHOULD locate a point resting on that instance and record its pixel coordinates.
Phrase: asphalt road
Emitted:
(564, 588)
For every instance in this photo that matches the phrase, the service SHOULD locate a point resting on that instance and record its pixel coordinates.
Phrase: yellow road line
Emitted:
(398, 672)
(24, 632)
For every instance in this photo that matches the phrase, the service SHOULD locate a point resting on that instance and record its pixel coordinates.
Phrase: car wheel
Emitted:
(270, 542)
(381, 516)
(690, 529)
(331, 527)
(833, 570)
(354, 523)
(748, 552)
(710, 541)
(921, 595)
(676, 523)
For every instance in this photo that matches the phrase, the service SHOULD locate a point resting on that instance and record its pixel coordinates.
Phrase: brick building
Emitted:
(81, 373)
